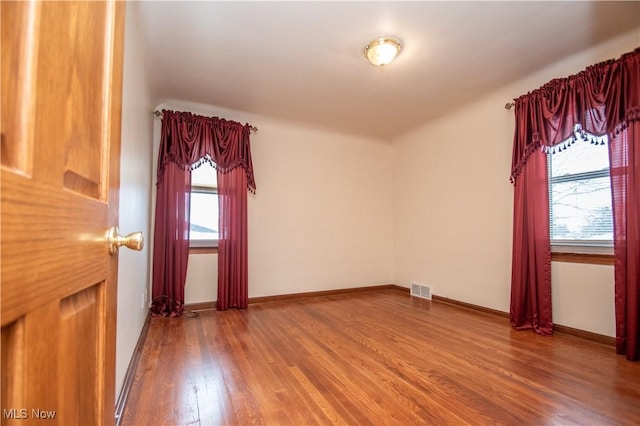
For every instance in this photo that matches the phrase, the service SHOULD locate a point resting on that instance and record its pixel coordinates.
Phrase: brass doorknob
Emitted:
(134, 240)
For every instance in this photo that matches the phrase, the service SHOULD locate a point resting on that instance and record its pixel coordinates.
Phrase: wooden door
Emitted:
(61, 96)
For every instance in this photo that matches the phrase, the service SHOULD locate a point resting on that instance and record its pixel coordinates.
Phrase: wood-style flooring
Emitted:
(373, 358)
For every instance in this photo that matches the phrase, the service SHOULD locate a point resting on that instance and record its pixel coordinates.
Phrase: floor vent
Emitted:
(420, 290)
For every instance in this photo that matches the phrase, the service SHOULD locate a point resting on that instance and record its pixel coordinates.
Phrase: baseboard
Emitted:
(469, 306)
(322, 293)
(131, 370)
(563, 329)
(400, 288)
(202, 306)
(587, 335)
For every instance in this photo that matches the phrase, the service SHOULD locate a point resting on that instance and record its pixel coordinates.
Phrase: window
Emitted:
(580, 194)
(203, 231)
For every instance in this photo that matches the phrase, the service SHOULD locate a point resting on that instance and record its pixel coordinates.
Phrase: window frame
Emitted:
(209, 245)
(578, 251)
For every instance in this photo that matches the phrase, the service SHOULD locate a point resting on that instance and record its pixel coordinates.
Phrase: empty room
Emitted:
(301, 213)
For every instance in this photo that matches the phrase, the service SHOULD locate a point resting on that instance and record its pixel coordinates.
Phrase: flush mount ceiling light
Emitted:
(382, 50)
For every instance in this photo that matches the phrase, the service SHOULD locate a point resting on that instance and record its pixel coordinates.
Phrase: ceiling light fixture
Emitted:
(382, 50)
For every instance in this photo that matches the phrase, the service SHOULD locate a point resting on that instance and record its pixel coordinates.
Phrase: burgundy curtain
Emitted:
(171, 241)
(189, 139)
(624, 150)
(531, 274)
(603, 99)
(233, 282)
(186, 141)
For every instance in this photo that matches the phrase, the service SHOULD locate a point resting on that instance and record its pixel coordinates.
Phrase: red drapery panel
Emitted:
(171, 241)
(625, 175)
(186, 141)
(531, 275)
(233, 282)
(603, 99)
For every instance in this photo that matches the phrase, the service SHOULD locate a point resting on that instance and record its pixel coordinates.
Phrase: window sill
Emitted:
(203, 250)
(591, 258)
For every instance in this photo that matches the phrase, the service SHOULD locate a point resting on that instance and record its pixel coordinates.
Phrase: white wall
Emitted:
(583, 297)
(135, 182)
(202, 276)
(453, 206)
(322, 216)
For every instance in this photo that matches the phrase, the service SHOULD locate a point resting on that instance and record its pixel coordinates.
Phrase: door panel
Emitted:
(61, 74)
(20, 22)
(79, 333)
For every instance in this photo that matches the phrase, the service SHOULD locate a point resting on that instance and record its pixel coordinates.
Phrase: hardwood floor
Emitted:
(379, 357)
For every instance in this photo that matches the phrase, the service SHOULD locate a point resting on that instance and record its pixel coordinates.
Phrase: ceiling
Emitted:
(303, 61)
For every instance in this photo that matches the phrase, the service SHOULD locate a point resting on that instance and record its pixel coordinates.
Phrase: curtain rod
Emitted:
(159, 114)
(509, 105)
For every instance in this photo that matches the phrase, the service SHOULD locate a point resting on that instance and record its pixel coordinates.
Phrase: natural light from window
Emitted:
(204, 207)
(580, 194)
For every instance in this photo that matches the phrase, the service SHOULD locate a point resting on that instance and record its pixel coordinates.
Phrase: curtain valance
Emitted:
(188, 140)
(602, 99)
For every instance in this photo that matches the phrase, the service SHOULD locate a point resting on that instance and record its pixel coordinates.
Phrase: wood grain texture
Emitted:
(377, 357)
(121, 402)
(59, 194)
(590, 258)
(321, 293)
(588, 335)
(19, 34)
(470, 306)
(583, 334)
(203, 250)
